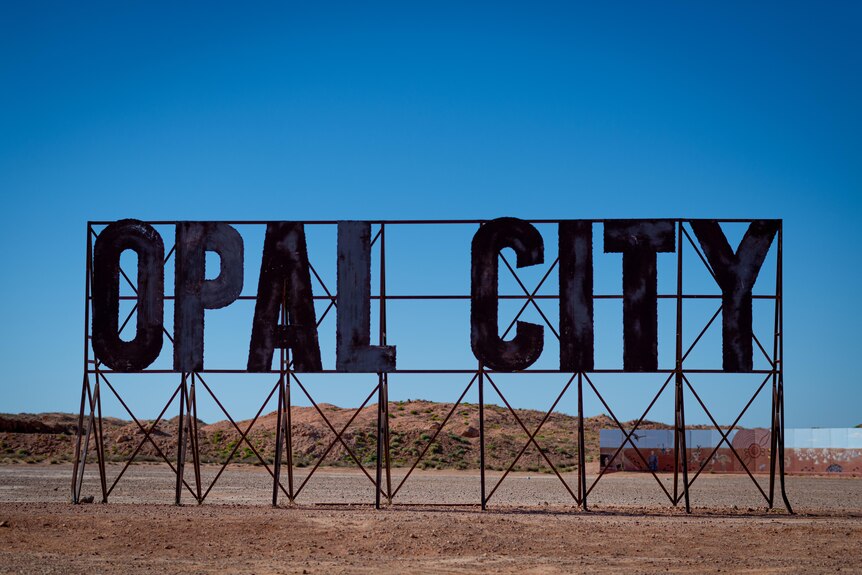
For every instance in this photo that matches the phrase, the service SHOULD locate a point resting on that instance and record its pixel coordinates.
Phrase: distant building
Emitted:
(821, 451)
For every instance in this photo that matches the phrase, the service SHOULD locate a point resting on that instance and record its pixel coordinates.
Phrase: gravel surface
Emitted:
(245, 484)
(531, 525)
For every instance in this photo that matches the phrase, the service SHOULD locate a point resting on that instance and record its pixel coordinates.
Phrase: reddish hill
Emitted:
(50, 437)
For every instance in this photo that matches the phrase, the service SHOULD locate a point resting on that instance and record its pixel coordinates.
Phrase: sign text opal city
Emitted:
(284, 285)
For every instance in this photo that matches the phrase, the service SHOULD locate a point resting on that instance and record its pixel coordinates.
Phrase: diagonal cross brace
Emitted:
(332, 443)
(531, 439)
(142, 428)
(724, 435)
(628, 434)
(243, 436)
(436, 433)
(332, 429)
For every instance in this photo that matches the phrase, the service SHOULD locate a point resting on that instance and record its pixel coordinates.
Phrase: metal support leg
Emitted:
(181, 443)
(287, 432)
(192, 416)
(683, 448)
(279, 441)
(81, 452)
(582, 455)
(680, 448)
(482, 432)
(379, 467)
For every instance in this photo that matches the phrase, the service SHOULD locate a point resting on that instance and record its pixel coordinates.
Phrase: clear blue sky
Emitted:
(351, 111)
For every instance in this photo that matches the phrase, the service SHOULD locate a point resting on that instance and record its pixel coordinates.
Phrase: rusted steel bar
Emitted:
(683, 444)
(414, 222)
(193, 433)
(530, 298)
(288, 434)
(763, 351)
(582, 455)
(386, 440)
(85, 383)
(481, 376)
(378, 467)
(279, 425)
(90, 424)
(78, 436)
(464, 297)
(181, 446)
(384, 388)
(697, 250)
(776, 335)
(100, 441)
(381, 337)
(435, 371)
(780, 294)
(329, 295)
(679, 402)
(279, 439)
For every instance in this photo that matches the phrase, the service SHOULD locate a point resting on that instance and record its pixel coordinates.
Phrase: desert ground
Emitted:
(531, 525)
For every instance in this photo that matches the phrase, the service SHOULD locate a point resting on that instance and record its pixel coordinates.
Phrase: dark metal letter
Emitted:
(284, 280)
(146, 242)
(736, 273)
(353, 349)
(193, 292)
(639, 241)
(576, 296)
(526, 347)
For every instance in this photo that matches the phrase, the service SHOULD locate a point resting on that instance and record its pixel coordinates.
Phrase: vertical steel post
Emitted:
(382, 391)
(78, 466)
(379, 461)
(283, 440)
(773, 438)
(287, 432)
(85, 384)
(94, 422)
(781, 363)
(482, 431)
(192, 414)
(180, 443)
(676, 462)
(100, 443)
(582, 455)
(284, 392)
(680, 443)
(279, 425)
(91, 423)
(774, 430)
(385, 386)
(386, 451)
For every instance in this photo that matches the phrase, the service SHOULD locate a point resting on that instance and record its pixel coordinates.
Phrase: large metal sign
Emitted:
(285, 336)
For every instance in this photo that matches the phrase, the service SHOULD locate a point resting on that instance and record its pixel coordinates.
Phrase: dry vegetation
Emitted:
(49, 437)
